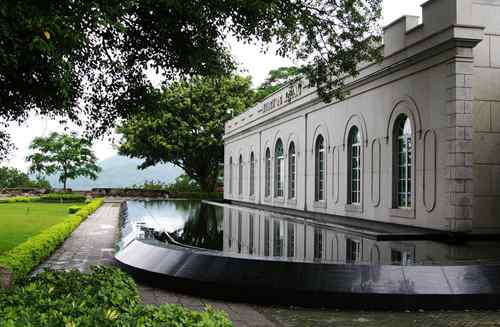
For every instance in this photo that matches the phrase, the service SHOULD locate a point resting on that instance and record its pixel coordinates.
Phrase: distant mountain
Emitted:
(120, 171)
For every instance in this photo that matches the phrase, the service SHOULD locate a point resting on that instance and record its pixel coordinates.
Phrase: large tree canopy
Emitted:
(66, 154)
(14, 178)
(186, 126)
(276, 79)
(73, 59)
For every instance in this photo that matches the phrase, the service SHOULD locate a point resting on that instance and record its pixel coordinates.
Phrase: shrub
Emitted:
(63, 197)
(74, 209)
(27, 255)
(19, 199)
(104, 297)
(50, 198)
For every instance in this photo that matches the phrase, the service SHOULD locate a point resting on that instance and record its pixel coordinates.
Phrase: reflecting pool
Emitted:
(240, 231)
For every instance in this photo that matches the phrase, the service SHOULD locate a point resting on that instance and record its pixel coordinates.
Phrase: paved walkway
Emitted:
(93, 243)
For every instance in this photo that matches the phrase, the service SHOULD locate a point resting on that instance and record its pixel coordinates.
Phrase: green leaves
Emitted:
(104, 297)
(27, 255)
(71, 59)
(14, 178)
(66, 154)
(186, 124)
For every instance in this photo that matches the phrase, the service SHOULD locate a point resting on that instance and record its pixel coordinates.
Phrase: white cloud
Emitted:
(252, 60)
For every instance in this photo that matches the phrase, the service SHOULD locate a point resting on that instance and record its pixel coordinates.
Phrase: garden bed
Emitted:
(20, 221)
(19, 261)
(103, 297)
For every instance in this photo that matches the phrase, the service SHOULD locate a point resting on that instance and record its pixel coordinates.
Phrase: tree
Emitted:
(14, 178)
(71, 59)
(185, 126)
(277, 78)
(66, 154)
(184, 183)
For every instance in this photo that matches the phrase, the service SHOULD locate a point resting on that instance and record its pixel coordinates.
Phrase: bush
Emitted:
(104, 297)
(29, 254)
(74, 209)
(63, 197)
(19, 199)
(49, 198)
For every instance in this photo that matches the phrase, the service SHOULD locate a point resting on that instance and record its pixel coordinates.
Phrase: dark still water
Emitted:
(240, 231)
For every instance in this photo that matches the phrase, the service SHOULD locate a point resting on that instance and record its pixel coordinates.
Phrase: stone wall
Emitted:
(486, 120)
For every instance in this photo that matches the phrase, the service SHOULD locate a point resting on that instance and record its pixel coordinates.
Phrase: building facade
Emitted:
(416, 142)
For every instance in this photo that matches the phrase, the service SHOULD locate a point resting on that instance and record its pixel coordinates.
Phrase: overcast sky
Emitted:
(252, 61)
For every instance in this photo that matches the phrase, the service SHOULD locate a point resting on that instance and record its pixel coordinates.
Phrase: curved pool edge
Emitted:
(212, 275)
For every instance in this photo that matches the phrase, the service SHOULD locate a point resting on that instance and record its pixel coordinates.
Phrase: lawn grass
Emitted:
(20, 221)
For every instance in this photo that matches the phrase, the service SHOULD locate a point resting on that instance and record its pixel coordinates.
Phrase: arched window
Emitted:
(252, 174)
(354, 147)
(319, 180)
(292, 171)
(267, 174)
(240, 175)
(230, 175)
(403, 162)
(279, 169)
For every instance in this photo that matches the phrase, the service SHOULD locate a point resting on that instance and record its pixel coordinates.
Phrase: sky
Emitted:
(252, 61)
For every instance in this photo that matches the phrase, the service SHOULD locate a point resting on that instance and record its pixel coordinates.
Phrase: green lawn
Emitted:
(20, 221)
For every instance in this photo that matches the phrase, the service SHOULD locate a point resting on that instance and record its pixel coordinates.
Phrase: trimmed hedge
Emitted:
(103, 297)
(19, 199)
(29, 254)
(49, 198)
(63, 197)
(74, 209)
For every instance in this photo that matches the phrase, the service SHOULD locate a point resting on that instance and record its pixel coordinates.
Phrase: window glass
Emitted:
(320, 169)
(292, 167)
(279, 169)
(403, 164)
(354, 166)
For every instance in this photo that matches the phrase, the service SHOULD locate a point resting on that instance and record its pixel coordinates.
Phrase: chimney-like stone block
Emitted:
(440, 14)
(395, 33)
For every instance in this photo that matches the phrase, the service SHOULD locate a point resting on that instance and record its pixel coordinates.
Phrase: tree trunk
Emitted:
(208, 184)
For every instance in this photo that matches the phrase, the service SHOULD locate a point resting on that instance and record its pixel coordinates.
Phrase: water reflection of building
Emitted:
(257, 233)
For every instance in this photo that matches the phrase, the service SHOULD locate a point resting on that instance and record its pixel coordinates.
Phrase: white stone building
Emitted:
(417, 142)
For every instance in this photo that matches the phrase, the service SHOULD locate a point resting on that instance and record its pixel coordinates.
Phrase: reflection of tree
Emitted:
(202, 228)
(182, 207)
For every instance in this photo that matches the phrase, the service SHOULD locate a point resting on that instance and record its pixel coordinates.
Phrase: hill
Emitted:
(120, 171)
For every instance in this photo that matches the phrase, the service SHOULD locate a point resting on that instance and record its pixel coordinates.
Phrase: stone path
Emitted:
(93, 243)
(241, 314)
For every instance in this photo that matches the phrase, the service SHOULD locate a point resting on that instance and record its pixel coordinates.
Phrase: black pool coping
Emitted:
(344, 286)
(380, 231)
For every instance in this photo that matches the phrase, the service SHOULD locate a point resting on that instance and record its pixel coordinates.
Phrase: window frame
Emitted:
(354, 150)
(407, 150)
(319, 169)
(252, 175)
(240, 175)
(292, 172)
(279, 170)
(267, 173)
(231, 175)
